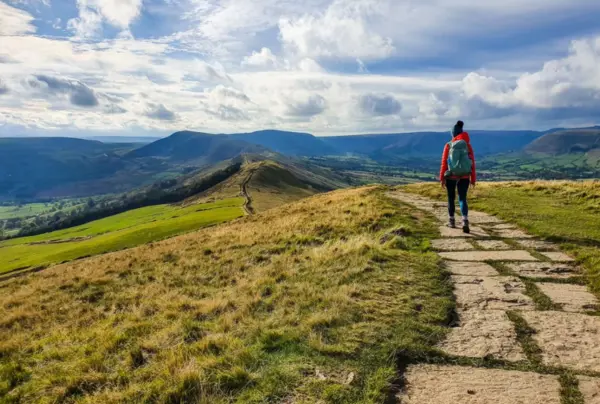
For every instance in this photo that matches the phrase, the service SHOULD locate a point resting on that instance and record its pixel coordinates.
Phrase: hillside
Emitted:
(269, 183)
(389, 146)
(566, 141)
(288, 143)
(304, 303)
(195, 147)
(29, 165)
(221, 193)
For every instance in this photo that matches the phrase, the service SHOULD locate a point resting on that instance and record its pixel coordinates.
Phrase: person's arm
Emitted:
(444, 165)
(473, 168)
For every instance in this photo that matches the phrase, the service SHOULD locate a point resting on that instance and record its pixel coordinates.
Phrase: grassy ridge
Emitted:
(305, 303)
(116, 232)
(565, 212)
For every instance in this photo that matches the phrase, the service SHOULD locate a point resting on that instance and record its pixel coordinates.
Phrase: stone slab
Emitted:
(490, 293)
(432, 384)
(558, 256)
(544, 270)
(571, 340)
(481, 218)
(573, 298)
(590, 389)
(470, 268)
(489, 256)
(446, 231)
(512, 233)
(494, 245)
(484, 333)
(503, 226)
(449, 244)
(537, 245)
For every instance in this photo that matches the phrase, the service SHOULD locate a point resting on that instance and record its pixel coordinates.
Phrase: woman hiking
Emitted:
(458, 172)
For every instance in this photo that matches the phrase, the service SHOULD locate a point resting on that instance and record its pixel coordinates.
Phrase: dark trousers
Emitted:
(463, 187)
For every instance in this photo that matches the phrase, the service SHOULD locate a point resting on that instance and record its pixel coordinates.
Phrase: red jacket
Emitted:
(473, 177)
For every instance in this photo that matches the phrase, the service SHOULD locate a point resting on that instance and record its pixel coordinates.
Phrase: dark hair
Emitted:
(458, 128)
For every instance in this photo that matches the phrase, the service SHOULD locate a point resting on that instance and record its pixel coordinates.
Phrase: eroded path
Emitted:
(527, 329)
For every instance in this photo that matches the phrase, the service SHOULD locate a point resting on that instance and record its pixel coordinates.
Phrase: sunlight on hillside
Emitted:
(306, 302)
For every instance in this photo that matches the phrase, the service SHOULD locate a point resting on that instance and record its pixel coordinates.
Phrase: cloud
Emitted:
(264, 58)
(221, 93)
(572, 82)
(379, 104)
(306, 108)
(14, 21)
(93, 13)
(88, 24)
(160, 112)
(79, 94)
(3, 88)
(342, 31)
(228, 113)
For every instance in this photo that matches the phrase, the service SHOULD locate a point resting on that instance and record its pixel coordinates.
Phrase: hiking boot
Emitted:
(452, 223)
(466, 228)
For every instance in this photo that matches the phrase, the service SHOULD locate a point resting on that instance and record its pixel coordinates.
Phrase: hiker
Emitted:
(458, 172)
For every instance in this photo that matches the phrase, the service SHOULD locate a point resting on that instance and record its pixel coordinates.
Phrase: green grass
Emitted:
(565, 212)
(32, 209)
(113, 233)
(309, 302)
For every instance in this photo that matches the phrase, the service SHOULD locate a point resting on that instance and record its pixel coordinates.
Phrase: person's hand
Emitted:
(443, 184)
(473, 185)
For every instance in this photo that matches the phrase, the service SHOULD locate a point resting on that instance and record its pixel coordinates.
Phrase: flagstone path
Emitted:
(504, 282)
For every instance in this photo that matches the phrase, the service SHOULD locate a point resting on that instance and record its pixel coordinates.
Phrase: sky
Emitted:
(327, 67)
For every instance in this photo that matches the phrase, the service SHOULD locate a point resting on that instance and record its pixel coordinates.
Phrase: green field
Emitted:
(32, 209)
(113, 233)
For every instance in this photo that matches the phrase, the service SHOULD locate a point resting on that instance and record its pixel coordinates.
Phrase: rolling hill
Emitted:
(249, 183)
(270, 183)
(194, 147)
(29, 165)
(566, 141)
(288, 143)
(389, 146)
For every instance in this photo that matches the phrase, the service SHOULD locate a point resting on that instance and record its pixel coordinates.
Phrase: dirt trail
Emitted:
(522, 312)
(244, 192)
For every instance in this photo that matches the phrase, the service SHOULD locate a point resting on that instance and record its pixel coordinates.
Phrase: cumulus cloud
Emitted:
(14, 21)
(342, 31)
(379, 104)
(92, 13)
(160, 112)
(571, 82)
(305, 108)
(78, 93)
(264, 58)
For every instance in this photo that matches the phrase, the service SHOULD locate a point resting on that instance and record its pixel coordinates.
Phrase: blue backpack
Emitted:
(459, 163)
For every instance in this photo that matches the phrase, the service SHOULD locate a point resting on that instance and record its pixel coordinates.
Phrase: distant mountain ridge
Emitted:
(430, 143)
(33, 168)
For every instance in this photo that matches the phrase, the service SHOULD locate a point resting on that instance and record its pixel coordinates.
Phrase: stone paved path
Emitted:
(500, 273)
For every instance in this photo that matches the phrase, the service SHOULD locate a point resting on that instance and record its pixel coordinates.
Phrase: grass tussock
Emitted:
(565, 212)
(308, 302)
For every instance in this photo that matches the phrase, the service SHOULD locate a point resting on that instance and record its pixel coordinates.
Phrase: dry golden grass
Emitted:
(289, 305)
(268, 183)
